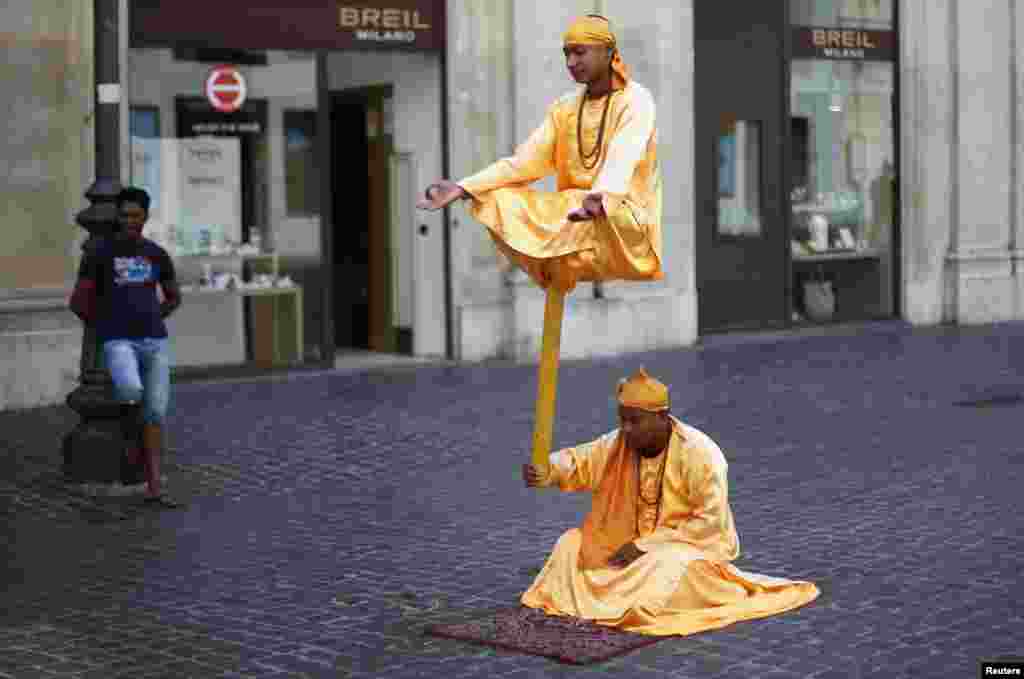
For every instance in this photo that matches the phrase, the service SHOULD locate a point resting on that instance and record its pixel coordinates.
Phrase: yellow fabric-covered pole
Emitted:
(547, 374)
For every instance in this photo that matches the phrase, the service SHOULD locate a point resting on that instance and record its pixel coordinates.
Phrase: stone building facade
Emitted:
(937, 174)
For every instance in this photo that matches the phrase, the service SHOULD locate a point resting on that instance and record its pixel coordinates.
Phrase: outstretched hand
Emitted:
(593, 207)
(626, 554)
(533, 476)
(441, 194)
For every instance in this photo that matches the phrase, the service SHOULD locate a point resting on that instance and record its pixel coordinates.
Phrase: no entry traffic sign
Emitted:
(225, 89)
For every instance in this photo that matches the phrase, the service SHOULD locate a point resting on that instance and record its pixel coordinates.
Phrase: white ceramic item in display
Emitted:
(819, 232)
(847, 238)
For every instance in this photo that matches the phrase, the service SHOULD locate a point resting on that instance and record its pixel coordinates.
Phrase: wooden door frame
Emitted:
(784, 163)
(387, 341)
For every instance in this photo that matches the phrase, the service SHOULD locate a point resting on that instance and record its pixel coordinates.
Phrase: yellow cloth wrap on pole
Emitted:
(547, 377)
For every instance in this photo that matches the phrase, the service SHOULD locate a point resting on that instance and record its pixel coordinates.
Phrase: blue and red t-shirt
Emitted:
(126, 272)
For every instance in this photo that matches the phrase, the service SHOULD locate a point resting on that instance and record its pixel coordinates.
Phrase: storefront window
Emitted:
(226, 153)
(842, 159)
(876, 14)
(739, 178)
(302, 193)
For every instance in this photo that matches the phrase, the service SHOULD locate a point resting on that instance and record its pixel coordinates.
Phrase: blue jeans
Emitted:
(141, 371)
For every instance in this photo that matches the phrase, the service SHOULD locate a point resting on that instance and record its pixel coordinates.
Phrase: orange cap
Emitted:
(644, 392)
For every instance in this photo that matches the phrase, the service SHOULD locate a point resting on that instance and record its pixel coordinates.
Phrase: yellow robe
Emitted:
(684, 582)
(530, 226)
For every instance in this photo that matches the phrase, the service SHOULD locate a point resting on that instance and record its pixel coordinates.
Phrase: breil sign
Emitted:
(290, 24)
(378, 23)
(813, 42)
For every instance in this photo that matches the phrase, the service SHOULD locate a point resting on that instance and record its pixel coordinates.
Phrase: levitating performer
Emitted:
(604, 220)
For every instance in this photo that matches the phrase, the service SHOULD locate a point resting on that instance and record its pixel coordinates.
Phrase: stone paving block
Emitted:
(31, 673)
(344, 512)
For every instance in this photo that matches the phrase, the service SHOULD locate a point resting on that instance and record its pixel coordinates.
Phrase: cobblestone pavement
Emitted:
(332, 516)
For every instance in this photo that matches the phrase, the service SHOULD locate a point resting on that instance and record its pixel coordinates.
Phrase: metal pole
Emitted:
(100, 218)
(94, 450)
(446, 217)
(325, 154)
(108, 89)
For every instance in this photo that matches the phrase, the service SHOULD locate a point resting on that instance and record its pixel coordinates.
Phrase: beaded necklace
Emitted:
(658, 485)
(590, 158)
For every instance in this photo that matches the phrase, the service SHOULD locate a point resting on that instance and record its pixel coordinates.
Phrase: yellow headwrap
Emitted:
(595, 30)
(644, 392)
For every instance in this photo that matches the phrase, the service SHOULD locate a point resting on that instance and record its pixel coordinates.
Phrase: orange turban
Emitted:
(596, 30)
(644, 392)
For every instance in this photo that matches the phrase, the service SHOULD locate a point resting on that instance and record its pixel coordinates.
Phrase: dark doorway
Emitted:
(360, 172)
(741, 112)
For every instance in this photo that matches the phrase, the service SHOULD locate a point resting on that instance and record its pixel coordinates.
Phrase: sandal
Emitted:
(163, 501)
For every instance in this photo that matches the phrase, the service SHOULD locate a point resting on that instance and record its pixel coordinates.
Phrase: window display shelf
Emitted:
(803, 208)
(270, 258)
(838, 255)
(277, 336)
(243, 292)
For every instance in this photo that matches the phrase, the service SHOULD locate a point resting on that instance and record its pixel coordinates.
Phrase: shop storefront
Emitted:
(797, 131)
(823, 160)
(281, 144)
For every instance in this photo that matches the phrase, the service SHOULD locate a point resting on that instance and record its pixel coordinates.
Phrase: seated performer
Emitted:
(653, 554)
(604, 220)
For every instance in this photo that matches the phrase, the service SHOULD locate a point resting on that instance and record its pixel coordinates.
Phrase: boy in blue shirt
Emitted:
(117, 293)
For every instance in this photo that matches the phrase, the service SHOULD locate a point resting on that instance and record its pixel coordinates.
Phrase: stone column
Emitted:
(979, 263)
(481, 101)
(927, 131)
(1017, 178)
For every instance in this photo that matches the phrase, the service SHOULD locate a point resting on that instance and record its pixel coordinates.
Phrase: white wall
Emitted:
(46, 149)
(38, 368)
(46, 165)
(482, 103)
(926, 172)
(984, 121)
(658, 45)
(1017, 87)
(492, 113)
(982, 264)
(962, 160)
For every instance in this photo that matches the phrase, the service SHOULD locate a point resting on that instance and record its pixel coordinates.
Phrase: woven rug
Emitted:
(531, 631)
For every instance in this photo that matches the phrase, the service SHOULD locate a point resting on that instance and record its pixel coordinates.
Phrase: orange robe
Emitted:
(684, 582)
(530, 226)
